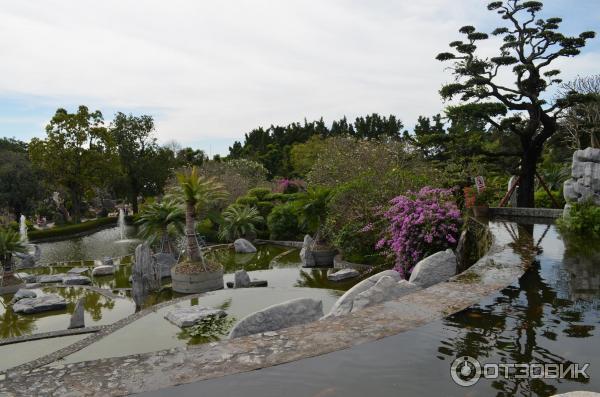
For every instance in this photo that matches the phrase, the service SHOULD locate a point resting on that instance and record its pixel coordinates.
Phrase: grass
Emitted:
(71, 229)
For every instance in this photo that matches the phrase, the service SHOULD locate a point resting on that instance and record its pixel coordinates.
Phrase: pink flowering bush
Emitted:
(420, 224)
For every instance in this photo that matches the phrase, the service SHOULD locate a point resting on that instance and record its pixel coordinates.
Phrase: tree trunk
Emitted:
(525, 197)
(134, 202)
(193, 250)
(76, 204)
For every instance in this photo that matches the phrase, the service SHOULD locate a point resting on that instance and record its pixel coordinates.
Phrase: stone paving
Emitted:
(503, 265)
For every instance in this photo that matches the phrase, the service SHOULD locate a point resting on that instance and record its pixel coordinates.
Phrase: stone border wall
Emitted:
(339, 263)
(293, 244)
(550, 213)
(505, 262)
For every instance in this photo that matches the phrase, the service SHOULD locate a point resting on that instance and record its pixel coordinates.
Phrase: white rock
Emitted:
(384, 290)
(587, 154)
(184, 317)
(243, 246)
(103, 270)
(306, 255)
(22, 294)
(241, 279)
(343, 275)
(344, 304)
(76, 280)
(434, 269)
(283, 315)
(40, 304)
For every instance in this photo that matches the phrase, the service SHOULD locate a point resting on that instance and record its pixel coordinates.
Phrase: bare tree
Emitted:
(582, 122)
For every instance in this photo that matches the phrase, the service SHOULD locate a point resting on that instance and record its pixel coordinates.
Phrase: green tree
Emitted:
(161, 222)
(76, 154)
(20, 186)
(531, 45)
(195, 192)
(239, 221)
(10, 243)
(145, 166)
(188, 157)
(304, 155)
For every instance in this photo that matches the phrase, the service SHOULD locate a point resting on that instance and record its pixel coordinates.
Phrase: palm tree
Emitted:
(314, 206)
(195, 192)
(239, 222)
(160, 221)
(10, 243)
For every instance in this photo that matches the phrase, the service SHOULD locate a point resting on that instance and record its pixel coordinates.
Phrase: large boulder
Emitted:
(78, 316)
(344, 304)
(343, 274)
(434, 269)
(386, 289)
(22, 294)
(306, 255)
(184, 317)
(283, 315)
(103, 270)
(40, 304)
(76, 280)
(164, 262)
(584, 184)
(243, 246)
(241, 279)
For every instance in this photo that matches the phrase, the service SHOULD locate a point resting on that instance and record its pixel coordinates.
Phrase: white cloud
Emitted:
(218, 69)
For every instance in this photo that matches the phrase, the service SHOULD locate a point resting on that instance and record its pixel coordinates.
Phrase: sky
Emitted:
(211, 71)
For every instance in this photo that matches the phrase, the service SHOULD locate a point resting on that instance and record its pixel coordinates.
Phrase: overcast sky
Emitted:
(210, 71)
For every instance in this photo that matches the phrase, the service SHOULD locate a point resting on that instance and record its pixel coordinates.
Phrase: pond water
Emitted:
(551, 315)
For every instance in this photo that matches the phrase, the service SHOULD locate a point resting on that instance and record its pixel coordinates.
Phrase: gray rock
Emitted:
(164, 262)
(107, 261)
(27, 261)
(569, 191)
(306, 255)
(40, 304)
(145, 275)
(243, 246)
(591, 176)
(343, 275)
(103, 270)
(184, 317)
(587, 155)
(241, 279)
(76, 280)
(78, 270)
(78, 317)
(578, 394)
(344, 304)
(50, 278)
(32, 285)
(27, 278)
(384, 290)
(258, 283)
(434, 269)
(22, 294)
(283, 315)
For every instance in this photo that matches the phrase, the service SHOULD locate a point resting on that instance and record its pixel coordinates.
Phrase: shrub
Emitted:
(239, 222)
(356, 244)
(259, 192)
(68, 230)
(582, 219)
(264, 208)
(247, 200)
(420, 224)
(288, 186)
(283, 222)
(207, 229)
(542, 200)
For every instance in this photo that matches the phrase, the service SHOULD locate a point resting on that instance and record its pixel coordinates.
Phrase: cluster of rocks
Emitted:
(70, 278)
(185, 317)
(106, 268)
(243, 246)
(241, 279)
(584, 184)
(388, 285)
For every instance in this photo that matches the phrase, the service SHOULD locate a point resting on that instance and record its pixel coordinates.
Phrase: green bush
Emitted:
(542, 200)
(275, 197)
(264, 208)
(68, 230)
(247, 200)
(207, 229)
(259, 192)
(283, 222)
(356, 245)
(582, 219)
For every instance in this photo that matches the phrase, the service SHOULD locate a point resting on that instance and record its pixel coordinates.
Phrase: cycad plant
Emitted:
(239, 221)
(10, 243)
(195, 192)
(160, 221)
(314, 206)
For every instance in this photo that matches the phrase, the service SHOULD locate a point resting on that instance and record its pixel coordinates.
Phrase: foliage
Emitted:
(314, 205)
(484, 197)
(542, 200)
(582, 219)
(259, 192)
(419, 224)
(70, 229)
(304, 155)
(582, 122)
(289, 186)
(239, 222)
(530, 46)
(20, 185)
(283, 222)
(160, 222)
(209, 329)
(10, 243)
(247, 200)
(237, 176)
(76, 153)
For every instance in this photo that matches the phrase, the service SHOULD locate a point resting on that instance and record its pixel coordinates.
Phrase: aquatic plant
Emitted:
(420, 224)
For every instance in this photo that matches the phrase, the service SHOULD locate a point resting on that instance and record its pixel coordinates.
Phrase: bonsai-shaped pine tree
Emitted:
(531, 45)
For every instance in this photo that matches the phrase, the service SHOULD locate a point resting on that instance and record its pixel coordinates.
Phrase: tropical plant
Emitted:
(314, 205)
(10, 243)
(239, 221)
(420, 224)
(196, 193)
(582, 219)
(160, 222)
(283, 222)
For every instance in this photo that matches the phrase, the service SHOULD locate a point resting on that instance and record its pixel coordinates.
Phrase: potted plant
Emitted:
(195, 273)
(481, 206)
(314, 206)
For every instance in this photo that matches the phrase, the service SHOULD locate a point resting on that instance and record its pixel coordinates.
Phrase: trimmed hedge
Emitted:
(68, 230)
